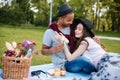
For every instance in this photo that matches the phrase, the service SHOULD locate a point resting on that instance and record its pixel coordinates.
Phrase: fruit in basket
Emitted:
(10, 53)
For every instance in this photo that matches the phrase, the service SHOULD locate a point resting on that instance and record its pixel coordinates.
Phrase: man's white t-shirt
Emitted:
(58, 59)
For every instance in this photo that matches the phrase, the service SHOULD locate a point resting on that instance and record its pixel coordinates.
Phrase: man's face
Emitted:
(67, 20)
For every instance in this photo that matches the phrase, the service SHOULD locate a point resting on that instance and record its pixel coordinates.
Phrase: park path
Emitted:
(110, 38)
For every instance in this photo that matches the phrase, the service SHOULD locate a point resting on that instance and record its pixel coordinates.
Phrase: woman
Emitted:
(107, 65)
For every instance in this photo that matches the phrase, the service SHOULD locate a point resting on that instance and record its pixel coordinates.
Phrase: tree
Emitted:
(117, 8)
(113, 13)
(42, 16)
(24, 5)
(11, 14)
(84, 9)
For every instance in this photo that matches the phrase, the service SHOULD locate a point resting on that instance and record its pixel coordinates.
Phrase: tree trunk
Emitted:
(98, 23)
(113, 21)
(118, 27)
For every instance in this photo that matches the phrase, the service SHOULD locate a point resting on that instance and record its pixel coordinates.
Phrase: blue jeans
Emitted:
(80, 64)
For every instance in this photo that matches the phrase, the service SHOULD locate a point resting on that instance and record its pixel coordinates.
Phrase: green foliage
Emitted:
(112, 14)
(17, 13)
(24, 6)
(42, 16)
(82, 9)
(11, 16)
(20, 12)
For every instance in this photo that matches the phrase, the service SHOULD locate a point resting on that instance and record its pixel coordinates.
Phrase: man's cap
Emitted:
(64, 9)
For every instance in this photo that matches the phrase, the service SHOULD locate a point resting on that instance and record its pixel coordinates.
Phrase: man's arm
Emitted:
(47, 50)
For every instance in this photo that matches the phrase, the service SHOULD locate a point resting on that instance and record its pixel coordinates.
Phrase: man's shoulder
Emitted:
(49, 31)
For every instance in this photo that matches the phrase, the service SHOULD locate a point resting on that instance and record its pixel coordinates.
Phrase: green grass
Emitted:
(29, 32)
(111, 45)
(108, 33)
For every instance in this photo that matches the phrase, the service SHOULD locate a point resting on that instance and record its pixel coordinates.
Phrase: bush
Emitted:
(13, 17)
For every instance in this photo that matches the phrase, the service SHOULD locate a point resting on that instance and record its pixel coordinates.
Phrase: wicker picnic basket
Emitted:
(15, 68)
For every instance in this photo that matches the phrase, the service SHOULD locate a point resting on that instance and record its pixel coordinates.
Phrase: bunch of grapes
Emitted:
(9, 53)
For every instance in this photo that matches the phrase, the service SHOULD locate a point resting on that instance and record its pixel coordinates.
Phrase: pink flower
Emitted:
(36, 53)
(29, 44)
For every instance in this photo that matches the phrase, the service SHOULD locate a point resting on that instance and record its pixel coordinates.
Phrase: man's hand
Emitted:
(96, 40)
(57, 48)
(47, 50)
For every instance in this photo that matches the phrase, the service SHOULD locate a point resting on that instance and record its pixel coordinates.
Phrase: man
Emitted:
(50, 45)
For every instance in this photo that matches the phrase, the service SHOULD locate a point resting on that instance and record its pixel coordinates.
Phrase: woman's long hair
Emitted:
(78, 40)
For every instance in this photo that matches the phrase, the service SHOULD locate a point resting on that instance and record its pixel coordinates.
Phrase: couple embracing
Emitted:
(72, 45)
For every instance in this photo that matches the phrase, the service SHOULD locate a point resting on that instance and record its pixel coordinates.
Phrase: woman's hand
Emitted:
(61, 38)
(58, 36)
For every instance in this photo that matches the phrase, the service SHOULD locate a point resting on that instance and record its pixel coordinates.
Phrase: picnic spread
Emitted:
(16, 65)
(47, 67)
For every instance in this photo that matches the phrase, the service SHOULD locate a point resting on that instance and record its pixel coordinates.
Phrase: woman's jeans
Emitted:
(80, 64)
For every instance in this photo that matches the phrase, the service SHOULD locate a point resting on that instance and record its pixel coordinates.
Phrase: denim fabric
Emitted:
(80, 64)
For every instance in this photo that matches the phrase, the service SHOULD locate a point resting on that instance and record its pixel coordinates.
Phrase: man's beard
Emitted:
(64, 25)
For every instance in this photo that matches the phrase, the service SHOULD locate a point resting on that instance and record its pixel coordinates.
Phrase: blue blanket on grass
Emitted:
(45, 67)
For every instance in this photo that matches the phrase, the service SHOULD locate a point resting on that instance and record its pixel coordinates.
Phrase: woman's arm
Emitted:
(78, 52)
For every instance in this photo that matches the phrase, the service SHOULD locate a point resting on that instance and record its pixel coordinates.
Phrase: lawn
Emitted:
(29, 32)
(108, 33)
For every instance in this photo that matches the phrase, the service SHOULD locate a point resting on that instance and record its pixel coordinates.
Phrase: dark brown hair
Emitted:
(78, 40)
(85, 34)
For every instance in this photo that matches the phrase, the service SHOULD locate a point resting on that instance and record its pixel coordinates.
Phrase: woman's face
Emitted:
(79, 31)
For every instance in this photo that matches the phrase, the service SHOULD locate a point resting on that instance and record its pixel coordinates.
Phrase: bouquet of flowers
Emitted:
(25, 48)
